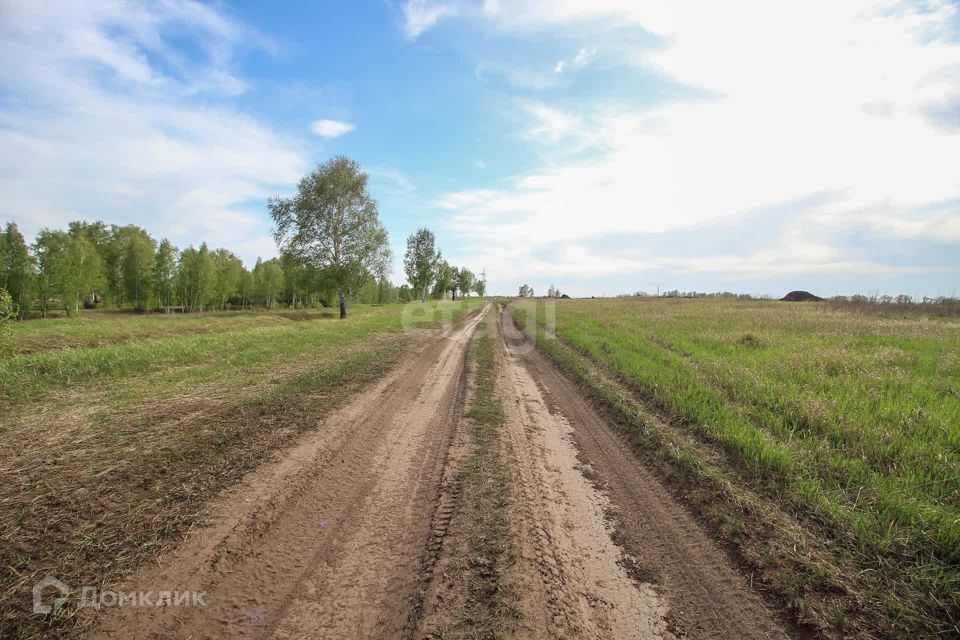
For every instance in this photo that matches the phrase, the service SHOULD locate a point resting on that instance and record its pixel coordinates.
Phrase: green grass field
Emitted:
(849, 421)
(115, 428)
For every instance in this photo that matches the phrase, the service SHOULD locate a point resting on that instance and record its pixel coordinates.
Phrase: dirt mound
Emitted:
(800, 296)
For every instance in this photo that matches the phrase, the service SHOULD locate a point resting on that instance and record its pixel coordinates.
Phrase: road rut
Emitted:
(358, 530)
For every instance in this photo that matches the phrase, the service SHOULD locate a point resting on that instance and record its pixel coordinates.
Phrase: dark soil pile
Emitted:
(800, 296)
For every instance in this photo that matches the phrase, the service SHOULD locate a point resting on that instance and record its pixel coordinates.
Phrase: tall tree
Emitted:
(227, 270)
(444, 280)
(195, 278)
(17, 269)
(245, 288)
(454, 282)
(466, 281)
(50, 249)
(100, 236)
(332, 224)
(83, 274)
(421, 261)
(138, 263)
(480, 286)
(164, 274)
(268, 281)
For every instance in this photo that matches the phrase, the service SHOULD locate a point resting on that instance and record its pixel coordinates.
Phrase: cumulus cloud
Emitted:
(420, 15)
(850, 101)
(332, 128)
(114, 121)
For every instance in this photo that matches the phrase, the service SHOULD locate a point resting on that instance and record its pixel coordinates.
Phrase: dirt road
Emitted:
(364, 529)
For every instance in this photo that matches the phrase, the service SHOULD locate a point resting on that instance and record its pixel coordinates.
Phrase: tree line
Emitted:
(430, 275)
(331, 241)
(94, 264)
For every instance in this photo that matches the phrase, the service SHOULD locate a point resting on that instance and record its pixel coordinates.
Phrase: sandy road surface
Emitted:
(704, 595)
(346, 534)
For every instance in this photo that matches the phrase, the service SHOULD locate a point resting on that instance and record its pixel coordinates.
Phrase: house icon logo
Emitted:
(58, 601)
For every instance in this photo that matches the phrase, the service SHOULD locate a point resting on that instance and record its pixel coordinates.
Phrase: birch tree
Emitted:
(332, 224)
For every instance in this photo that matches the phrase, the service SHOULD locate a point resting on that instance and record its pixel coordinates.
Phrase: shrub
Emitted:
(8, 311)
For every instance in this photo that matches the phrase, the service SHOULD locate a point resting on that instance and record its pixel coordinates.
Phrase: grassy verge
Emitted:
(821, 445)
(109, 452)
(484, 506)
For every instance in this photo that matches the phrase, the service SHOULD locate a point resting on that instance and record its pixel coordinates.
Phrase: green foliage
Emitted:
(465, 281)
(17, 268)
(267, 282)
(165, 274)
(227, 272)
(92, 264)
(332, 225)
(421, 261)
(443, 281)
(8, 313)
(196, 278)
(139, 257)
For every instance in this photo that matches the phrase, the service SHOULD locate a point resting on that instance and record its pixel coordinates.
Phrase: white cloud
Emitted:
(114, 121)
(332, 128)
(580, 59)
(420, 15)
(583, 56)
(550, 124)
(851, 113)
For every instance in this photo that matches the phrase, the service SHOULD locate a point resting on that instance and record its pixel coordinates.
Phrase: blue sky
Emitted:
(605, 147)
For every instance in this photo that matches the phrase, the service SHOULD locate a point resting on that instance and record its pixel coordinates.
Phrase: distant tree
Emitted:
(553, 292)
(367, 294)
(386, 292)
(268, 281)
(196, 278)
(405, 294)
(297, 280)
(526, 291)
(50, 249)
(454, 282)
(164, 274)
(332, 224)
(465, 281)
(139, 260)
(100, 236)
(245, 288)
(84, 273)
(480, 286)
(16, 269)
(421, 261)
(443, 281)
(227, 270)
(114, 251)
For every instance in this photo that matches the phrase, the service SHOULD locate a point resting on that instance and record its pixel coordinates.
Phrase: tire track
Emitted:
(329, 541)
(706, 595)
(566, 542)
